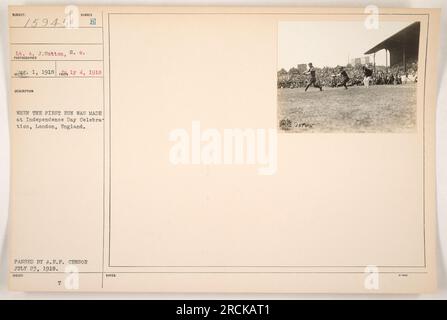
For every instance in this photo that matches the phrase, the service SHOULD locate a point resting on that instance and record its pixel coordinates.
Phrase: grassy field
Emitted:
(384, 108)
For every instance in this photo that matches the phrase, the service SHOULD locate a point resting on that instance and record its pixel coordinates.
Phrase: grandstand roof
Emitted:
(402, 38)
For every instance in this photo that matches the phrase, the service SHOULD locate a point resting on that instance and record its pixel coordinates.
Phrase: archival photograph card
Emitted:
(223, 149)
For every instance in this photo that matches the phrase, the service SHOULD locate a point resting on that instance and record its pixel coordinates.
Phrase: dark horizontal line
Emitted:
(37, 60)
(111, 266)
(57, 77)
(60, 27)
(50, 272)
(221, 272)
(56, 43)
(269, 13)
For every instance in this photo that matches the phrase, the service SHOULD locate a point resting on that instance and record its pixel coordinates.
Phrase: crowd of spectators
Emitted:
(330, 77)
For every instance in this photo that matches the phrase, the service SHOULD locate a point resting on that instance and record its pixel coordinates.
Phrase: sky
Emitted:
(330, 43)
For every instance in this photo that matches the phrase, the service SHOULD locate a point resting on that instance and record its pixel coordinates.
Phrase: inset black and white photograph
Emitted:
(340, 76)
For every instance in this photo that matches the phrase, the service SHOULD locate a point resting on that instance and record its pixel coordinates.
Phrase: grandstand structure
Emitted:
(402, 47)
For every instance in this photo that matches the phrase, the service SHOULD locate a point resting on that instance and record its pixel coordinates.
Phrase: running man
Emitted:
(345, 76)
(367, 76)
(313, 78)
